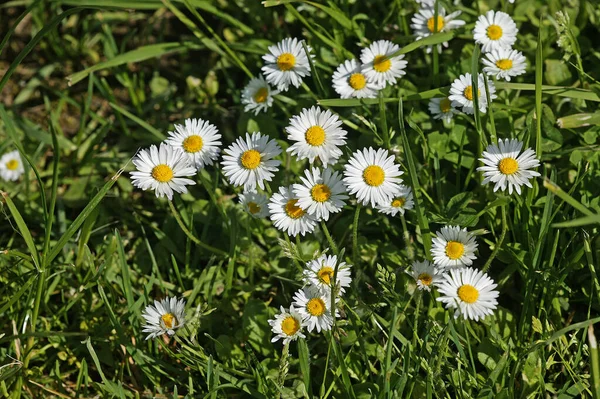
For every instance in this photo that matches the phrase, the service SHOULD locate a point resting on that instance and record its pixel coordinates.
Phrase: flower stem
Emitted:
(499, 243)
(355, 234)
(409, 249)
(334, 247)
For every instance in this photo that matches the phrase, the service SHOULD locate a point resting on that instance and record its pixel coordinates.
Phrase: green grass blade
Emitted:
(23, 229)
(54, 192)
(155, 132)
(16, 23)
(124, 271)
(539, 68)
(304, 360)
(562, 91)
(554, 188)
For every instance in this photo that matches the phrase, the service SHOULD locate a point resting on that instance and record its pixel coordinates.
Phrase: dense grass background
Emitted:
(83, 252)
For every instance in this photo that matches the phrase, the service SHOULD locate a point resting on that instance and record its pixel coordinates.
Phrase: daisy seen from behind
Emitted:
(495, 30)
(424, 24)
(287, 216)
(322, 192)
(425, 273)
(255, 204)
(399, 203)
(164, 317)
(461, 93)
(11, 166)
(198, 140)
(315, 308)
(287, 325)
(258, 95)
(504, 63)
(350, 81)
(442, 108)
(320, 273)
(379, 66)
(286, 63)
(453, 247)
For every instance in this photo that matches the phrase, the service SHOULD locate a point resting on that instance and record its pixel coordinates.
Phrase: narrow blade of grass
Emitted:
(23, 229)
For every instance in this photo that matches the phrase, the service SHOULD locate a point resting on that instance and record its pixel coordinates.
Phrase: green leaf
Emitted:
(23, 229)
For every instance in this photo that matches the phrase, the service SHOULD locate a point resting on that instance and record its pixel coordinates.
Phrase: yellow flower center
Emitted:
(357, 81)
(373, 175)
(253, 208)
(325, 275)
(169, 320)
(162, 173)
(13, 164)
(398, 202)
(290, 325)
(455, 249)
(468, 93)
(286, 61)
(425, 279)
(261, 95)
(316, 307)
(315, 135)
(494, 32)
(320, 192)
(250, 159)
(446, 104)
(508, 166)
(467, 293)
(431, 23)
(193, 144)
(504, 64)
(381, 64)
(293, 210)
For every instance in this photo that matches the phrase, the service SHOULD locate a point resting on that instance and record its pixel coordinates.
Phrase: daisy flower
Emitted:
(471, 292)
(350, 81)
(164, 317)
(453, 247)
(400, 202)
(319, 273)
(504, 63)
(495, 30)
(255, 204)
(11, 166)
(287, 325)
(423, 23)
(316, 133)
(461, 93)
(315, 308)
(162, 169)
(249, 162)
(372, 176)
(287, 215)
(199, 141)
(426, 275)
(286, 62)
(378, 65)
(258, 95)
(321, 192)
(505, 167)
(441, 108)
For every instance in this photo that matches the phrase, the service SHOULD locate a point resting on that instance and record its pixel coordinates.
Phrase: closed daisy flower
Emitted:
(426, 275)
(258, 95)
(164, 317)
(255, 204)
(11, 166)
(461, 93)
(373, 176)
(319, 273)
(317, 134)
(286, 63)
(287, 215)
(250, 162)
(321, 192)
(162, 169)
(471, 292)
(378, 65)
(505, 167)
(495, 30)
(400, 202)
(442, 108)
(315, 308)
(199, 141)
(423, 24)
(349, 81)
(453, 247)
(287, 325)
(504, 63)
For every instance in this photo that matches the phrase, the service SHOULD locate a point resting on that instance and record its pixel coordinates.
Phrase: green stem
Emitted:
(499, 243)
(419, 295)
(34, 316)
(595, 364)
(355, 234)
(409, 249)
(334, 247)
(298, 265)
(284, 366)
(388, 355)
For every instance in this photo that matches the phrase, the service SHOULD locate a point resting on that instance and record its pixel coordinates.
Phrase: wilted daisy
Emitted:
(350, 81)
(400, 202)
(504, 63)
(471, 292)
(286, 62)
(425, 273)
(461, 93)
(505, 167)
(441, 108)
(258, 95)
(255, 204)
(164, 317)
(372, 176)
(11, 166)
(199, 141)
(319, 273)
(315, 308)
(378, 65)
(453, 247)
(287, 325)
(316, 133)
(162, 169)
(249, 162)
(423, 23)
(495, 30)
(287, 215)
(321, 192)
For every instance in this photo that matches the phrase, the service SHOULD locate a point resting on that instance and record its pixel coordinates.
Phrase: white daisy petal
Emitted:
(349, 81)
(495, 30)
(198, 140)
(504, 63)
(426, 275)
(163, 317)
(287, 325)
(399, 203)
(461, 93)
(256, 204)
(315, 308)
(442, 108)
(453, 247)
(287, 216)
(258, 95)
(319, 273)
(423, 24)
(286, 63)
(378, 65)
(11, 166)
(321, 193)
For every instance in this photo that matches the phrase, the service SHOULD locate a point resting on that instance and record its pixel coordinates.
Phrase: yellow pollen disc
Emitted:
(320, 192)
(253, 207)
(440, 24)
(373, 175)
(250, 159)
(357, 81)
(398, 202)
(315, 135)
(293, 210)
(261, 95)
(467, 293)
(504, 64)
(316, 307)
(381, 64)
(445, 105)
(325, 274)
(13, 164)
(193, 144)
(455, 249)
(286, 61)
(290, 325)
(494, 32)
(468, 93)
(169, 320)
(425, 279)
(508, 166)
(162, 173)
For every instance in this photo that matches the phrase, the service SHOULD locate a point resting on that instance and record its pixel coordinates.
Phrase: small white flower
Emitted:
(315, 308)
(378, 65)
(505, 167)
(504, 63)
(453, 247)
(287, 215)
(400, 202)
(423, 23)
(461, 93)
(350, 81)
(287, 325)
(321, 193)
(161, 169)
(11, 166)
(495, 30)
(249, 162)
(258, 95)
(255, 204)
(319, 273)
(442, 108)
(471, 292)
(164, 317)
(426, 275)
(198, 140)
(286, 62)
